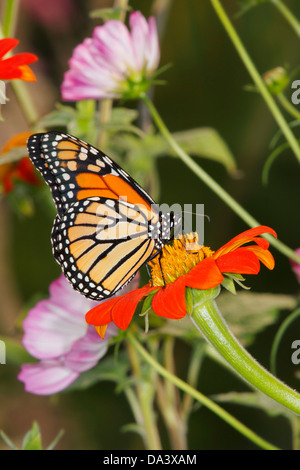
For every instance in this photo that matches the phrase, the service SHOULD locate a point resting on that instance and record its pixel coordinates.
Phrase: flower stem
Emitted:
(105, 116)
(218, 410)
(269, 100)
(145, 397)
(212, 184)
(209, 321)
(24, 99)
(286, 104)
(10, 17)
(288, 15)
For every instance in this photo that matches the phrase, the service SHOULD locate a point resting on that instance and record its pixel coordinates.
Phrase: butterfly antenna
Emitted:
(197, 213)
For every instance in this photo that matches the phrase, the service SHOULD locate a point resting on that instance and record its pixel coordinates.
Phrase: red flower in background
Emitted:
(17, 65)
(21, 170)
(196, 266)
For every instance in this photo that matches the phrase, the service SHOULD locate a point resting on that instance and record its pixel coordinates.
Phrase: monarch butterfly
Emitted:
(107, 226)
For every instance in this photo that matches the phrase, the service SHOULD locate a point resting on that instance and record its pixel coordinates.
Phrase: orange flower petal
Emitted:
(17, 140)
(205, 275)
(169, 301)
(27, 74)
(101, 314)
(21, 169)
(101, 329)
(242, 261)
(25, 172)
(263, 255)
(118, 309)
(6, 45)
(245, 237)
(17, 66)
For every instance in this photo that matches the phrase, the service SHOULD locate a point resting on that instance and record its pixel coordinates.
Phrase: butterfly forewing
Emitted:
(75, 170)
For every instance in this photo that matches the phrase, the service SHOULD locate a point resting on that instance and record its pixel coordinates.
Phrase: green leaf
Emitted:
(249, 313)
(228, 284)
(32, 440)
(60, 117)
(122, 115)
(202, 142)
(133, 427)
(206, 142)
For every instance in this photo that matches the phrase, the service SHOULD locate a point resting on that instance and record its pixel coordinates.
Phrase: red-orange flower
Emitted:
(178, 267)
(22, 169)
(17, 65)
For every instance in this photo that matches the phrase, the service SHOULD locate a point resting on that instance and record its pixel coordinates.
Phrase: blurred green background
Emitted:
(205, 88)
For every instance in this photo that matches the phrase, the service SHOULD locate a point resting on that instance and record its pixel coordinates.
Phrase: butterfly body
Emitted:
(107, 226)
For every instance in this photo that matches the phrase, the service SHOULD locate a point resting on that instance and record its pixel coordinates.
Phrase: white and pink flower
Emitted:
(115, 62)
(56, 333)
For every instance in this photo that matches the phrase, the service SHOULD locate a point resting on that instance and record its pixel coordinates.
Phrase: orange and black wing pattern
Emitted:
(107, 226)
(75, 170)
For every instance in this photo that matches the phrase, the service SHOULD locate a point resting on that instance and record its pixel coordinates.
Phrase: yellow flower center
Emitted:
(177, 259)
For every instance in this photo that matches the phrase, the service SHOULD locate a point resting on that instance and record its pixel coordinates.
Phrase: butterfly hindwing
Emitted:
(100, 244)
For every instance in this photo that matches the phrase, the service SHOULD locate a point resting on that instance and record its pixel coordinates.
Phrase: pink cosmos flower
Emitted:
(296, 266)
(115, 62)
(57, 334)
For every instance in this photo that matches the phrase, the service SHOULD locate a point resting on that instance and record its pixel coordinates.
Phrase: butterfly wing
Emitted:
(100, 244)
(106, 224)
(75, 170)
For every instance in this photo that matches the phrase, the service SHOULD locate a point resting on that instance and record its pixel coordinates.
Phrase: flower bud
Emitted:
(276, 80)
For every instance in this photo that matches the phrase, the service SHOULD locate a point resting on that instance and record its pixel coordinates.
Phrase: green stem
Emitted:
(209, 321)
(195, 364)
(270, 160)
(288, 15)
(218, 410)
(212, 184)
(106, 104)
(145, 397)
(269, 100)
(10, 17)
(105, 109)
(24, 99)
